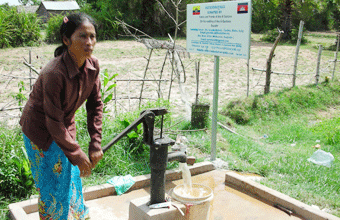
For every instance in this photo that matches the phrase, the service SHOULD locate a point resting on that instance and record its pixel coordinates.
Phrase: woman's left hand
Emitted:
(95, 157)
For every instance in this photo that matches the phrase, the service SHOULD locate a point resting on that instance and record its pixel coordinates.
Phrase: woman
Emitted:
(48, 121)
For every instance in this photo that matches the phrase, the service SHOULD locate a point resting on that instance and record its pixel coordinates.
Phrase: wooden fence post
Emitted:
(297, 51)
(336, 54)
(317, 75)
(269, 63)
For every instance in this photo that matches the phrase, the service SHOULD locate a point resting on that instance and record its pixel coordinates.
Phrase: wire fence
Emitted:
(155, 77)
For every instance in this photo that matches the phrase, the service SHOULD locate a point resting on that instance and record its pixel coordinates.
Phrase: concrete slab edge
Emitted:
(20, 210)
(274, 197)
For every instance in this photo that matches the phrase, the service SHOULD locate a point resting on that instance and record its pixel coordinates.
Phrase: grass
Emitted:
(291, 134)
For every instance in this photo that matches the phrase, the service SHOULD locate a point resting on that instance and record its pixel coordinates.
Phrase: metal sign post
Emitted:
(215, 108)
(219, 29)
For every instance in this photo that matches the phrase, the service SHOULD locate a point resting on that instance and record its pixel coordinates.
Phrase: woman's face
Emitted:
(82, 42)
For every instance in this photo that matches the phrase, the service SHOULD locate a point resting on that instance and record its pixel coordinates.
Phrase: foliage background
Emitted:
(152, 17)
(18, 29)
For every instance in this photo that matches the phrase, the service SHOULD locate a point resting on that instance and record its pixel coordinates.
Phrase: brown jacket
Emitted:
(50, 111)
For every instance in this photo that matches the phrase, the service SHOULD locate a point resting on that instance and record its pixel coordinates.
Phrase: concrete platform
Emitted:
(235, 197)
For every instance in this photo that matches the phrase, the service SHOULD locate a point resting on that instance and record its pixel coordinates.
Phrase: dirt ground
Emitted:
(129, 60)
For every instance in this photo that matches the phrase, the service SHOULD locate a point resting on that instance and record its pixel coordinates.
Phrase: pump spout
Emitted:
(181, 157)
(177, 156)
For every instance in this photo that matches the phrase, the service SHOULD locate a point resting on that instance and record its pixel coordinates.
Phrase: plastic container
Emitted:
(321, 157)
(201, 198)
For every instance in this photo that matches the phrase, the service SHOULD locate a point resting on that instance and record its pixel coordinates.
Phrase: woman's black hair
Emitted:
(70, 24)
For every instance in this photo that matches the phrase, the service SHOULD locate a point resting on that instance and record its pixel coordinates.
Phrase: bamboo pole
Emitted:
(115, 94)
(297, 51)
(14, 108)
(172, 73)
(30, 62)
(146, 69)
(129, 96)
(17, 77)
(161, 75)
(30, 66)
(317, 75)
(336, 54)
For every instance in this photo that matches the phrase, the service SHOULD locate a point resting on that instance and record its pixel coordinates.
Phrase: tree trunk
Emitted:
(286, 7)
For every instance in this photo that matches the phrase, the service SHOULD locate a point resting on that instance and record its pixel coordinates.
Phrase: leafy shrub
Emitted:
(105, 16)
(295, 36)
(15, 175)
(6, 30)
(28, 29)
(53, 27)
(106, 88)
(237, 111)
(271, 35)
(18, 29)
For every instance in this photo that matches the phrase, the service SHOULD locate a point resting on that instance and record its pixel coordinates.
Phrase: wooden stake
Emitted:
(297, 51)
(336, 54)
(31, 67)
(146, 69)
(317, 75)
(269, 63)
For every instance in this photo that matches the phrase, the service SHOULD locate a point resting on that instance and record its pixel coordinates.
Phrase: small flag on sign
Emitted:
(242, 8)
(196, 10)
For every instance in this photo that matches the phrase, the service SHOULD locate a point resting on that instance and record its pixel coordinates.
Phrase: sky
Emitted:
(10, 2)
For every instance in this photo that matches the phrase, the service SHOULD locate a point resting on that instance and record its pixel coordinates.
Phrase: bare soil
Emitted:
(129, 60)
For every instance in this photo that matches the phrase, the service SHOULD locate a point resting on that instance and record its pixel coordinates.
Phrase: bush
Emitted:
(6, 30)
(271, 35)
(53, 29)
(16, 179)
(18, 29)
(237, 110)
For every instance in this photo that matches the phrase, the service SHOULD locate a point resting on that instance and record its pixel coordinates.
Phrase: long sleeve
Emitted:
(94, 107)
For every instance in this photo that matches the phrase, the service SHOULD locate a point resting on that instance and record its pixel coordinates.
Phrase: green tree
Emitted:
(265, 15)
(286, 9)
(27, 2)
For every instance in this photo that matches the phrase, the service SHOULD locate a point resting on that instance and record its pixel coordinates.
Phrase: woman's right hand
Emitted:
(85, 167)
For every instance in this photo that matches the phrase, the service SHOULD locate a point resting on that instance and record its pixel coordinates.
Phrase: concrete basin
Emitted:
(235, 197)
